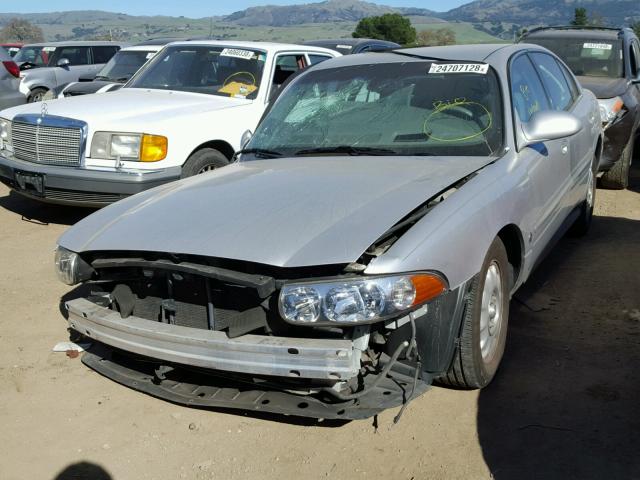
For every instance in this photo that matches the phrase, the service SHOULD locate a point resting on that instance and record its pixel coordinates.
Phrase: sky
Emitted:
(192, 8)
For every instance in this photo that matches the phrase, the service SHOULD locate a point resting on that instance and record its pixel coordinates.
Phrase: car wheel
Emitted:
(203, 161)
(617, 178)
(36, 95)
(583, 222)
(484, 326)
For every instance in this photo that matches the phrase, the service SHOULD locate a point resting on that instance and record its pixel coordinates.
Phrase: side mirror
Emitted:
(64, 62)
(548, 125)
(246, 137)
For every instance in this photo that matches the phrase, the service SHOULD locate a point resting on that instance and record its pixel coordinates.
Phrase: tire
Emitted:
(474, 367)
(582, 224)
(36, 95)
(617, 178)
(203, 161)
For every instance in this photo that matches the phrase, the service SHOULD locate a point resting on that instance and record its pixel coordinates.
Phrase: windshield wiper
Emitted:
(259, 152)
(347, 150)
(101, 77)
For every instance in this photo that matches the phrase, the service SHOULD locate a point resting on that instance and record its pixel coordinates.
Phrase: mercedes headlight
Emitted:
(70, 268)
(5, 133)
(137, 147)
(358, 300)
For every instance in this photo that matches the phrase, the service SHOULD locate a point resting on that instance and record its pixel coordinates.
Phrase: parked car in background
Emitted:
(182, 114)
(367, 241)
(347, 46)
(47, 67)
(11, 48)
(115, 73)
(9, 81)
(607, 62)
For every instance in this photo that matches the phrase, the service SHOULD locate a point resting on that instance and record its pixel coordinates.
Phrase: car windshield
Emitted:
(223, 71)
(587, 56)
(34, 55)
(412, 108)
(123, 65)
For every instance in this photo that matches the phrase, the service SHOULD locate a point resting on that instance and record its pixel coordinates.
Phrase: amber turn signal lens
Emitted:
(427, 287)
(153, 148)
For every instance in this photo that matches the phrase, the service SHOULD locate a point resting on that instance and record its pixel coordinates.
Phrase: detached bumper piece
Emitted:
(194, 387)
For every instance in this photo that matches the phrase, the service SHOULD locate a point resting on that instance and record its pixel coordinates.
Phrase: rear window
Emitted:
(587, 56)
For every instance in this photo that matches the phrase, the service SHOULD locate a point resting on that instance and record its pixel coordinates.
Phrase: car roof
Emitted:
(75, 43)
(466, 53)
(265, 46)
(348, 41)
(579, 32)
(143, 48)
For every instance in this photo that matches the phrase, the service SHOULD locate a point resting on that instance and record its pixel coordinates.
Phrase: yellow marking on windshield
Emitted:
(460, 103)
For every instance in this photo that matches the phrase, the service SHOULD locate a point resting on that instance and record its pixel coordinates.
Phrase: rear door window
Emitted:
(527, 93)
(287, 65)
(75, 55)
(313, 59)
(104, 54)
(554, 81)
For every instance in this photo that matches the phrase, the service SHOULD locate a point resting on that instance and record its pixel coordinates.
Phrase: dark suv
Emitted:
(607, 62)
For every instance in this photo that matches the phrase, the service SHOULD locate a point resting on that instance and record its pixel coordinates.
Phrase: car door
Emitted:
(562, 93)
(79, 63)
(547, 163)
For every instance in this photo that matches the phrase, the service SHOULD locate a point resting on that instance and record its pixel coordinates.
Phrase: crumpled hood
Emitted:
(130, 105)
(604, 87)
(284, 212)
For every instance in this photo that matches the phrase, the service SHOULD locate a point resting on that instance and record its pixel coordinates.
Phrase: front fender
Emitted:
(455, 236)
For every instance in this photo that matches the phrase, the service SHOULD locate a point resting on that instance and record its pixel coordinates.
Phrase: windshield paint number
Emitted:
(481, 68)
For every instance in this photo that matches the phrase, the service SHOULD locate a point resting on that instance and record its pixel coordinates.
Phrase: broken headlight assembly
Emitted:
(358, 300)
(610, 110)
(70, 268)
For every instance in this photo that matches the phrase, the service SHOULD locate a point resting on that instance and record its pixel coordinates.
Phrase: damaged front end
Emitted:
(204, 332)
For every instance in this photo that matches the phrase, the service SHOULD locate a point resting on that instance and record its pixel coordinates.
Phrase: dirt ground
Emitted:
(565, 404)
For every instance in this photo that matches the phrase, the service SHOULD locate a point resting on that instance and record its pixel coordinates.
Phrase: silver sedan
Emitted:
(365, 244)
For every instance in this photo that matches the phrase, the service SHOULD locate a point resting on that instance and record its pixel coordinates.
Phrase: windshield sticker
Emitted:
(438, 124)
(149, 55)
(345, 47)
(598, 46)
(48, 49)
(237, 53)
(482, 68)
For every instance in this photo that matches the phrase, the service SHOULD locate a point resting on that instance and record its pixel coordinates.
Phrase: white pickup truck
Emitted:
(183, 113)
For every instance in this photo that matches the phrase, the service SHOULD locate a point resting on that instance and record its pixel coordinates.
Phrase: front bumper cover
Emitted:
(195, 388)
(82, 186)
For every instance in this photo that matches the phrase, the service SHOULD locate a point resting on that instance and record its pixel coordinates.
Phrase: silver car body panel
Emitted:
(314, 211)
(54, 78)
(10, 95)
(283, 212)
(330, 359)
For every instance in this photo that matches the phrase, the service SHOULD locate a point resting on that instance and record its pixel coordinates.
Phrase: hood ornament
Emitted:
(44, 109)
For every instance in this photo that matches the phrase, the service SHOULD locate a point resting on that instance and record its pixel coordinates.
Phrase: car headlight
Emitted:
(357, 300)
(610, 109)
(137, 147)
(5, 133)
(70, 268)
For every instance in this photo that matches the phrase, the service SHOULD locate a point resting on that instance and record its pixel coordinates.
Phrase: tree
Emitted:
(580, 18)
(18, 30)
(636, 27)
(440, 36)
(390, 26)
